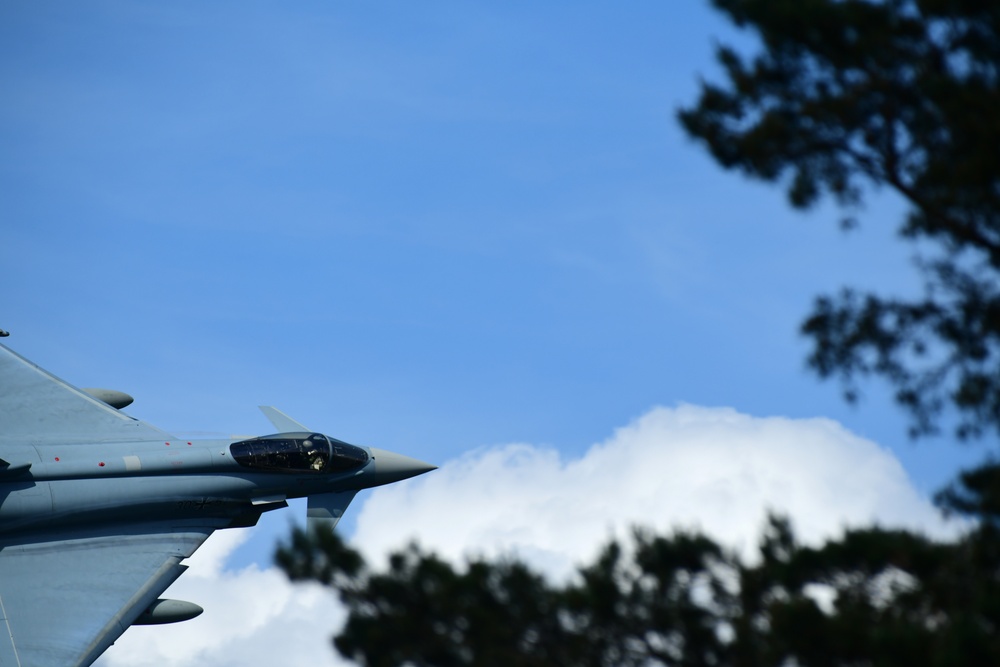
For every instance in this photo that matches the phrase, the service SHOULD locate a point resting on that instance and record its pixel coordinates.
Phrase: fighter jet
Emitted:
(98, 509)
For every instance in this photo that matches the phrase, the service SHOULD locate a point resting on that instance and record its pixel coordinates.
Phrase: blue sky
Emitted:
(428, 227)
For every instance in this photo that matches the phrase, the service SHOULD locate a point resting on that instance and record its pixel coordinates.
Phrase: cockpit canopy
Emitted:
(298, 452)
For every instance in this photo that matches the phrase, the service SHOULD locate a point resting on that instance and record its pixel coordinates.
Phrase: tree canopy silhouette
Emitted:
(872, 597)
(851, 95)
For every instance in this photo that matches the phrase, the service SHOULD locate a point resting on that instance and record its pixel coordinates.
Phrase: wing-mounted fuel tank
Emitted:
(116, 399)
(168, 611)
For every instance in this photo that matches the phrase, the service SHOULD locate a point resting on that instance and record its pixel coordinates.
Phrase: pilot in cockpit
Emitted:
(316, 459)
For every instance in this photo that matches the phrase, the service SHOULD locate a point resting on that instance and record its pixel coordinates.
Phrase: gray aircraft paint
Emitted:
(98, 510)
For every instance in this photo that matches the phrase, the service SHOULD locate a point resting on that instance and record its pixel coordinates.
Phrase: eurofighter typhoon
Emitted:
(98, 509)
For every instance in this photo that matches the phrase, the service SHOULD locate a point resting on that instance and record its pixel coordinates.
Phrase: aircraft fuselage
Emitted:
(120, 482)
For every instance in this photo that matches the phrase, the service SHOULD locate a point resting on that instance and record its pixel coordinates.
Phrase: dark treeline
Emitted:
(872, 597)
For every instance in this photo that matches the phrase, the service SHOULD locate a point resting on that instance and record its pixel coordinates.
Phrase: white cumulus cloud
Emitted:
(713, 469)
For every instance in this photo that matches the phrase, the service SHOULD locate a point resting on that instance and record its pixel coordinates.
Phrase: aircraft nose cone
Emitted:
(391, 467)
